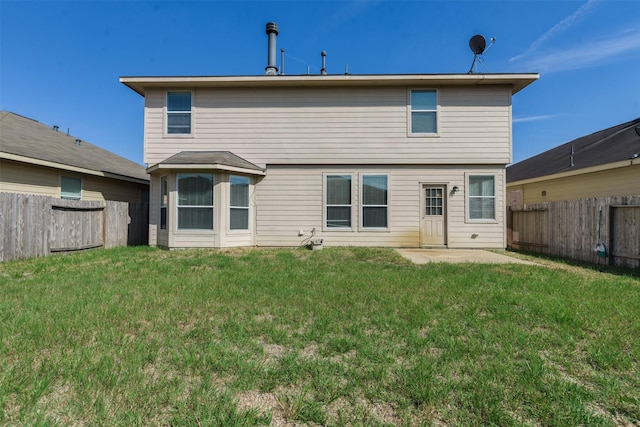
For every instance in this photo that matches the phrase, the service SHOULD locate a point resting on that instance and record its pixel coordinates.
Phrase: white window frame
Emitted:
(212, 206)
(169, 112)
(326, 205)
(164, 191)
(362, 205)
(247, 207)
(68, 196)
(494, 197)
(410, 110)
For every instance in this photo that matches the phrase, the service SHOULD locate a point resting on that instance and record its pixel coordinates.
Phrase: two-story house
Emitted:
(368, 160)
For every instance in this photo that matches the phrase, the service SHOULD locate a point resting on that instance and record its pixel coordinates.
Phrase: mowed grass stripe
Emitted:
(343, 336)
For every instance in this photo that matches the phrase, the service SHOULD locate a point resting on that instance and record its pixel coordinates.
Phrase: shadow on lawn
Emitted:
(609, 269)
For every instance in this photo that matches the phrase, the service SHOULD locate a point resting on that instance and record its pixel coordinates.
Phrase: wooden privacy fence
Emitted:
(570, 229)
(32, 226)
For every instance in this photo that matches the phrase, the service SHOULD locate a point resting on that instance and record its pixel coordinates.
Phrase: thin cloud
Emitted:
(532, 119)
(557, 29)
(579, 57)
(346, 13)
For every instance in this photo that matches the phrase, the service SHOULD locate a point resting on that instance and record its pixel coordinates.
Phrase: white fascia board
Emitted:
(516, 81)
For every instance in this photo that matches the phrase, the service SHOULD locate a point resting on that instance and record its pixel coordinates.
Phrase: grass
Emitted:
(344, 336)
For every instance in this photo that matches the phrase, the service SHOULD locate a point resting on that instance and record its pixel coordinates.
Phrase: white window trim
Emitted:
(468, 218)
(81, 186)
(410, 110)
(362, 205)
(178, 206)
(248, 208)
(165, 126)
(324, 202)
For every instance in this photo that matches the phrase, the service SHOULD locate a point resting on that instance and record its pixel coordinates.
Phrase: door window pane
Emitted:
(434, 201)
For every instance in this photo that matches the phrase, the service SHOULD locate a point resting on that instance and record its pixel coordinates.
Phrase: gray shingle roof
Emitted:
(225, 158)
(29, 138)
(609, 145)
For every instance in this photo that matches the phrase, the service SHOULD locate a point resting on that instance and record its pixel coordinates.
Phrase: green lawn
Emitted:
(352, 336)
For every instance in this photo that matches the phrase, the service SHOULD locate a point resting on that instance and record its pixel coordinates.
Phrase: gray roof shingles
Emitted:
(225, 158)
(29, 138)
(609, 145)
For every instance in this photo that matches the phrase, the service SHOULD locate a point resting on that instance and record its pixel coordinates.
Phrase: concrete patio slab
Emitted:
(424, 256)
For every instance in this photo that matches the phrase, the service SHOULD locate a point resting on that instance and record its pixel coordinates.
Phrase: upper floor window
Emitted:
(338, 201)
(374, 201)
(239, 202)
(179, 112)
(70, 187)
(195, 201)
(482, 197)
(424, 111)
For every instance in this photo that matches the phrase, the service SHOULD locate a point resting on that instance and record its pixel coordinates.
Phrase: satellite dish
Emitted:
(477, 44)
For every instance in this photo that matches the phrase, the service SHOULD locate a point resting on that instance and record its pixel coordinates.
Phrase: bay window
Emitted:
(195, 201)
(164, 201)
(238, 202)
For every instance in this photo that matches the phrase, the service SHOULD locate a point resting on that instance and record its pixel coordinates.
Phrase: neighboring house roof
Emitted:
(27, 140)
(517, 81)
(615, 144)
(222, 160)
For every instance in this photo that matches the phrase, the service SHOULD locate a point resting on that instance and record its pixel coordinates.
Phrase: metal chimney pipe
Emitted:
(323, 70)
(272, 32)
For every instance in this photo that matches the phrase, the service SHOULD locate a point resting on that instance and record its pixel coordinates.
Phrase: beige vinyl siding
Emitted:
(18, 177)
(98, 188)
(290, 198)
(624, 181)
(336, 125)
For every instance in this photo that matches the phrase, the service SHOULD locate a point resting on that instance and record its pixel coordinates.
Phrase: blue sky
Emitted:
(60, 60)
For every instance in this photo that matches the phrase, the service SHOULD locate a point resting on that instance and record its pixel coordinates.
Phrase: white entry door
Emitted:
(433, 221)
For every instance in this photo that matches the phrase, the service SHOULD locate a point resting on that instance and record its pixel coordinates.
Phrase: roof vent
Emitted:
(78, 141)
(56, 127)
(571, 163)
(323, 70)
